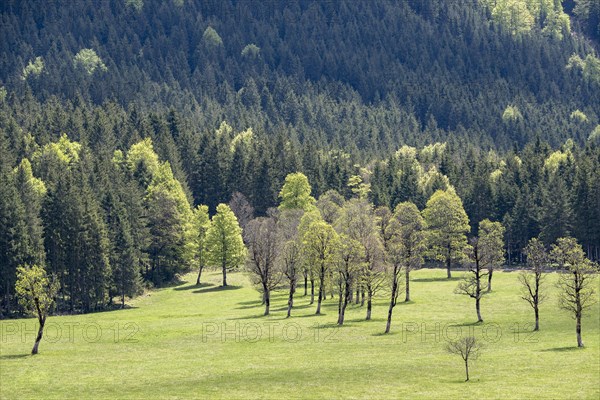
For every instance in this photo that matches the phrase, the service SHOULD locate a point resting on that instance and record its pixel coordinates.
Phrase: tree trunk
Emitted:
(224, 275)
(305, 284)
(347, 299)
(199, 274)
(537, 318)
(489, 288)
(392, 304)
(407, 298)
(321, 288)
(467, 370)
(267, 298)
(122, 300)
(319, 301)
(362, 298)
(38, 339)
(369, 304)
(357, 295)
(312, 291)
(340, 320)
(479, 319)
(578, 329)
(448, 262)
(291, 299)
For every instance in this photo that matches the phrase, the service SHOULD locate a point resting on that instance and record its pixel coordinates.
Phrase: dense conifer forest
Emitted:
(121, 119)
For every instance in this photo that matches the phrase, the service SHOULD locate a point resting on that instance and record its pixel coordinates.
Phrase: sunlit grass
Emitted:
(187, 341)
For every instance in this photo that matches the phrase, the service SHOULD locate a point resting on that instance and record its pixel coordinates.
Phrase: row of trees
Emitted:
(351, 247)
(344, 246)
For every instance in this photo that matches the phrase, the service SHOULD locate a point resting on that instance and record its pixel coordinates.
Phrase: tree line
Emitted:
(112, 190)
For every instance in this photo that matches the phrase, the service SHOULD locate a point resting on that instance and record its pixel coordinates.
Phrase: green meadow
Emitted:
(205, 341)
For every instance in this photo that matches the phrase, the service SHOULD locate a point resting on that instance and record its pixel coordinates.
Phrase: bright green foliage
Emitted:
(52, 159)
(595, 135)
(36, 290)
(447, 225)
(359, 187)
(589, 67)
(25, 173)
(431, 181)
(65, 151)
(170, 221)
(34, 68)
(521, 16)
(224, 244)
(295, 193)
(2, 93)
(511, 114)
(579, 116)
(251, 51)
(89, 61)
(557, 159)
(211, 38)
(36, 293)
(142, 161)
(320, 242)
(513, 15)
(242, 139)
(432, 153)
(32, 192)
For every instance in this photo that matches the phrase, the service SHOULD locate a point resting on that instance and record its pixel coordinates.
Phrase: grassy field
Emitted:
(187, 341)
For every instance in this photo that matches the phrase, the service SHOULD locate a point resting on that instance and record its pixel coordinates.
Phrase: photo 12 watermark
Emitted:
(70, 332)
(269, 331)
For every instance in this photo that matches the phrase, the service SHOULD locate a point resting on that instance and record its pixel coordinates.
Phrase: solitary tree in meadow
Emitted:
(448, 225)
(224, 243)
(537, 260)
(36, 292)
(576, 281)
(467, 348)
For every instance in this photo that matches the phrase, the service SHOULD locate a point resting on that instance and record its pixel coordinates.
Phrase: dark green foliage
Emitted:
(333, 90)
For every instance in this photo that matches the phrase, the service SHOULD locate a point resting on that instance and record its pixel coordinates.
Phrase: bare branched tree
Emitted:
(291, 253)
(242, 208)
(576, 280)
(483, 253)
(264, 247)
(467, 348)
(537, 260)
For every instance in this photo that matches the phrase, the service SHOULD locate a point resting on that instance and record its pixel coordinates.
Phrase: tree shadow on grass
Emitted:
(383, 334)
(255, 316)
(467, 324)
(194, 286)
(217, 289)
(284, 308)
(14, 356)
(454, 278)
(562, 349)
